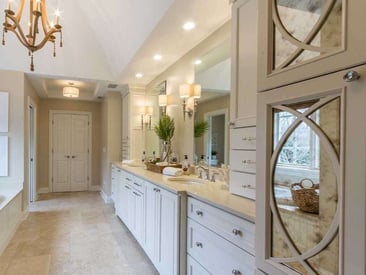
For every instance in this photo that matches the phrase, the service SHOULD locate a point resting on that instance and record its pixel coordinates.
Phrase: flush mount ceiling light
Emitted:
(33, 40)
(157, 57)
(70, 91)
(189, 25)
(139, 75)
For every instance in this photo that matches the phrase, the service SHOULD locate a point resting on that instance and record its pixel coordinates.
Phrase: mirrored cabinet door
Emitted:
(309, 176)
(302, 39)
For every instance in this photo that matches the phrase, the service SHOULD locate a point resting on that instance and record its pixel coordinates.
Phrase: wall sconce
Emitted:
(146, 117)
(163, 102)
(187, 91)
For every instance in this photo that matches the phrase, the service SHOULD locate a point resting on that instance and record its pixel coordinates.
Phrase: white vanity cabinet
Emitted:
(161, 231)
(217, 241)
(243, 98)
(114, 180)
(130, 206)
(244, 63)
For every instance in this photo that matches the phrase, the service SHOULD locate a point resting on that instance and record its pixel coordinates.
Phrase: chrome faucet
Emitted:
(206, 169)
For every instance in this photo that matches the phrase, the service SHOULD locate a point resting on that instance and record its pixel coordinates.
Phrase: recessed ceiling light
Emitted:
(189, 25)
(198, 61)
(139, 75)
(157, 57)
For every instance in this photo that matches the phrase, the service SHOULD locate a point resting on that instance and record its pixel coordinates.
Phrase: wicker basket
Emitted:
(305, 196)
(159, 168)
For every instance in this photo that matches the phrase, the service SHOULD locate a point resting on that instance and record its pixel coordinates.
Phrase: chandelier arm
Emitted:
(17, 30)
(45, 39)
(35, 30)
(19, 11)
(44, 19)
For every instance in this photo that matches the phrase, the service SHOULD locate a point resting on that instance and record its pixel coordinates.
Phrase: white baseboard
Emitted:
(43, 190)
(107, 199)
(94, 188)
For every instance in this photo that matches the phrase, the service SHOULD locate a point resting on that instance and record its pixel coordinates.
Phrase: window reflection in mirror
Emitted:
(305, 184)
(213, 74)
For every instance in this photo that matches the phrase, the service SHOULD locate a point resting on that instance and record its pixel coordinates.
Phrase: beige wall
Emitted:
(13, 83)
(183, 72)
(30, 95)
(43, 135)
(111, 136)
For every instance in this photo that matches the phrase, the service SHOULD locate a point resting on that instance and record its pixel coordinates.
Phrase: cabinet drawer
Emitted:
(234, 229)
(242, 184)
(243, 161)
(216, 254)
(243, 138)
(138, 184)
(194, 268)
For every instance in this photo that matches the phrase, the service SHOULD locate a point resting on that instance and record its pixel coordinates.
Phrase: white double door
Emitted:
(70, 152)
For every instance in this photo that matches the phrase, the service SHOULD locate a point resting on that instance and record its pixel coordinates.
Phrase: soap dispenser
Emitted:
(186, 165)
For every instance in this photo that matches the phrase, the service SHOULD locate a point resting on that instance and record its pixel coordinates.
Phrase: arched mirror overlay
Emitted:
(305, 185)
(306, 29)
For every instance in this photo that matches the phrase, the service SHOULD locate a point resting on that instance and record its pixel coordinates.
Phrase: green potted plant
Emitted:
(200, 128)
(165, 131)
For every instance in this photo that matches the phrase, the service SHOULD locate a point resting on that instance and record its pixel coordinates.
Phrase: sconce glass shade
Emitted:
(148, 110)
(185, 91)
(197, 91)
(70, 91)
(163, 100)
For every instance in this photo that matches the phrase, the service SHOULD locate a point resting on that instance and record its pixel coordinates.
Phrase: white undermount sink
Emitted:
(187, 180)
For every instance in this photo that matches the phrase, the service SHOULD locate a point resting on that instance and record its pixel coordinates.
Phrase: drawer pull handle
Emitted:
(198, 244)
(199, 213)
(128, 179)
(127, 187)
(236, 232)
(248, 186)
(156, 189)
(248, 161)
(248, 138)
(236, 272)
(135, 183)
(137, 194)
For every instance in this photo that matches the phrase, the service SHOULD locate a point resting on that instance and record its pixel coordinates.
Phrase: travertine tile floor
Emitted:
(73, 233)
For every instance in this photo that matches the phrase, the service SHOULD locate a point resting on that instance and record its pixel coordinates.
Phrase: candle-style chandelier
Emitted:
(32, 40)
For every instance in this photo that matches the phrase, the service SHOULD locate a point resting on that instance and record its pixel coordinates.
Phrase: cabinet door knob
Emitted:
(198, 244)
(236, 232)
(236, 272)
(156, 189)
(231, 123)
(67, 157)
(351, 76)
(199, 213)
(73, 157)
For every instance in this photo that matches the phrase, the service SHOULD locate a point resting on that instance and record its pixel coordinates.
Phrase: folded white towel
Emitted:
(163, 163)
(172, 171)
(128, 161)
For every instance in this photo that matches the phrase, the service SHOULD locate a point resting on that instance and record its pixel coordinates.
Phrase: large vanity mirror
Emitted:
(151, 117)
(214, 75)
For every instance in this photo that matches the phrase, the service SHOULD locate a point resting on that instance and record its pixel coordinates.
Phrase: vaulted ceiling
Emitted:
(108, 42)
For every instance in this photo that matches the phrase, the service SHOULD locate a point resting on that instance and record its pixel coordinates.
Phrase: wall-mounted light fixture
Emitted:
(146, 117)
(163, 102)
(187, 91)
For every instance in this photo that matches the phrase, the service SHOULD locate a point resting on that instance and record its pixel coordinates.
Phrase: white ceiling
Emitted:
(108, 42)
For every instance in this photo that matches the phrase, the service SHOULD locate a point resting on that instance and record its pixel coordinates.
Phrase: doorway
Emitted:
(32, 150)
(70, 155)
(216, 138)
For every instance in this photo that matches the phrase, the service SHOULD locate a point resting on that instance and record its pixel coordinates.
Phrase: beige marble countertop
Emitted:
(213, 193)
